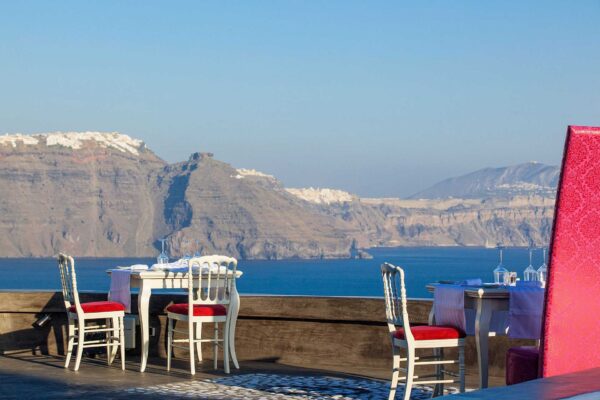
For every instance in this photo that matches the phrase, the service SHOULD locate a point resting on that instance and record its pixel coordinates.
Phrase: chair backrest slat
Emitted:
(211, 279)
(68, 280)
(395, 299)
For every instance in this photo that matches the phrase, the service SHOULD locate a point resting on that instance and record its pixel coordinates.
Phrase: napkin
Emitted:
(472, 282)
(120, 284)
(526, 305)
(449, 306)
(169, 266)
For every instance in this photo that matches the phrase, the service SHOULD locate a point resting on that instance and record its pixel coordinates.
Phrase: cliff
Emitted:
(106, 194)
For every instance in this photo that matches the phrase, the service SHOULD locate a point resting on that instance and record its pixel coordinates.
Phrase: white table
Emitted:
(145, 281)
(485, 301)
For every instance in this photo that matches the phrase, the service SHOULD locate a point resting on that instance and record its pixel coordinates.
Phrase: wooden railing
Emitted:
(346, 334)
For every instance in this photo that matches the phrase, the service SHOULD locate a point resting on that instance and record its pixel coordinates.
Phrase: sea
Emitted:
(338, 277)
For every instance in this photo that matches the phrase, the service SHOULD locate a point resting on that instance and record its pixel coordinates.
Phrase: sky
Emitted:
(376, 98)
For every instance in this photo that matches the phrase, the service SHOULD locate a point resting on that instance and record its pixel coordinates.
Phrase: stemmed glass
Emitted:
(163, 257)
(500, 272)
(198, 252)
(186, 252)
(542, 271)
(530, 274)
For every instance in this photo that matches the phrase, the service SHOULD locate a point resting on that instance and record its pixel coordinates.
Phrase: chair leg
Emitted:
(216, 346)
(461, 367)
(199, 344)
(116, 330)
(395, 372)
(70, 341)
(226, 347)
(109, 324)
(438, 368)
(80, 341)
(231, 333)
(410, 371)
(169, 342)
(192, 345)
(441, 373)
(121, 321)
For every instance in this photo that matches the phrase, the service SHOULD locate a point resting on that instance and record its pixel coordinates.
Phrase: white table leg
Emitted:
(144, 315)
(482, 332)
(235, 309)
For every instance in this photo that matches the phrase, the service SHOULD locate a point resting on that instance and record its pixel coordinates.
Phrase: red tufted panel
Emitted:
(571, 340)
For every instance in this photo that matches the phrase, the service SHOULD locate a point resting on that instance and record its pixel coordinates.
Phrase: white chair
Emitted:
(417, 337)
(211, 280)
(110, 311)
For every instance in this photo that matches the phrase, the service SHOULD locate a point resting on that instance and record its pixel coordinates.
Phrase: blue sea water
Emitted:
(299, 277)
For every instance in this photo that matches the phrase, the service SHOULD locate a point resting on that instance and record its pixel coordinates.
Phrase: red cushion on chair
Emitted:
(99, 306)
(426, 332)
(522, 364)
(200, 310)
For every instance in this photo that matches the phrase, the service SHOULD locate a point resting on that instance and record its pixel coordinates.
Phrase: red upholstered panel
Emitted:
(425, 332)
(522, 364)
(199, 310)
(571, 340)
(99, 306)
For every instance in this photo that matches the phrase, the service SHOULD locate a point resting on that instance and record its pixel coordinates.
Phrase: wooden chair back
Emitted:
(68, 279)
(211, 279)
(395, 299)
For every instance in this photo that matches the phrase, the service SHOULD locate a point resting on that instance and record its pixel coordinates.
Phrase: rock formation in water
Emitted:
(106, 194)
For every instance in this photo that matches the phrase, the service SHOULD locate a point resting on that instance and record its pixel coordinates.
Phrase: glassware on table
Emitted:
(530, 274)
(500, 272)
(163, 257)
(187, 255)
(542, 271)
(510, 279)
(198, 252)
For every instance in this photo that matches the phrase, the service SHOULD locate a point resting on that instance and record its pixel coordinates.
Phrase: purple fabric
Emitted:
(449, 309)
(120, 289)
(525, 311)
(449, 306)
(522, 364)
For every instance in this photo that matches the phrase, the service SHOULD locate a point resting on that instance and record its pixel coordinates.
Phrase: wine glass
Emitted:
(198, 252)
(163, 257)
(500, 272)
(542, 271)
(186, 252)
(530, 274)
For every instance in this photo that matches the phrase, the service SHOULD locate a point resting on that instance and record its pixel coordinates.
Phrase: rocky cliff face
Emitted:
(106, 194)
(529, 179)
(86, 194)
(242, 213)
(98, 194)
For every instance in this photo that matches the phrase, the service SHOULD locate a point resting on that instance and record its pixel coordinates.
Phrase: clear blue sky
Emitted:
(378, 98)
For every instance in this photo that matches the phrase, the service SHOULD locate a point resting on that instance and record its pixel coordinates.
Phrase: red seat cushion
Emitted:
(99, 306)
(200, 310)
(522, 364)
(426, 332)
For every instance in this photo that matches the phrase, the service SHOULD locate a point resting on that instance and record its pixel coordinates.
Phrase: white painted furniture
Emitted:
(146, 281)
(485, 301)
(209, 296)
(403, 336)
(109, 311)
